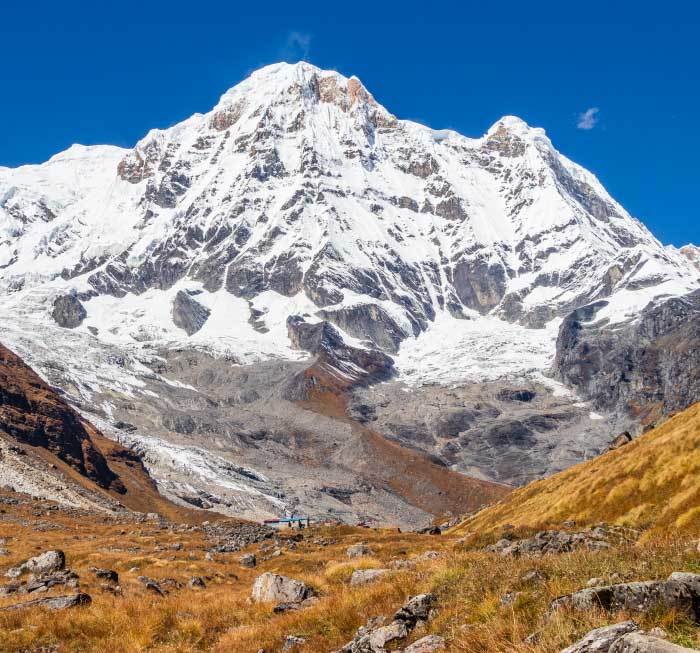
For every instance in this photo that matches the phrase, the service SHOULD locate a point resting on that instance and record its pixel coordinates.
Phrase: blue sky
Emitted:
(616, 87)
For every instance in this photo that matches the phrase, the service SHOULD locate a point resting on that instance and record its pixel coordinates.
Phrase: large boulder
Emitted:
(46, 563)
(358, 550)
(274, 588)
(680, 591)
(601, 639)
(52, 603)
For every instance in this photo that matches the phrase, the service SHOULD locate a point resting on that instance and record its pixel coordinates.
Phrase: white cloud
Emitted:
(297, 46)
(588, 119)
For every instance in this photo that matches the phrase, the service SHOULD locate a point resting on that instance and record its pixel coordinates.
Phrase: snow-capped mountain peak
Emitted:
(298, 183)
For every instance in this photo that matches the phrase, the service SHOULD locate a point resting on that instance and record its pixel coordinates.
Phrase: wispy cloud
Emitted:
(297, 46)
(588, 119)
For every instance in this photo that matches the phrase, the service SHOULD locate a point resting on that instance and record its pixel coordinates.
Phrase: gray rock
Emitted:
(640, 643)
(52, 603)
(368, 321)
(188, 314)
(652, 361)
(274, 588)
(553, 541)
(248, 560)
(384, 635)
(358, 550)
(46, 563)
(416, 609)
(196, 582)
(68, 311)
(601, 639)
(679, 591)
(428, 644)
(109, 575)
(365, 576)
(292, 642)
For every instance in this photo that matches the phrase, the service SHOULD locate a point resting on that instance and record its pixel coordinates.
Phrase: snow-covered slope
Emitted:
(298, 184)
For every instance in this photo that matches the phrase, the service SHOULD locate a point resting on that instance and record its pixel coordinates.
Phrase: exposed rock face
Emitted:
(32, 413)
(544, 542)
(646, 368)
(492, 430)
(368, 321)
(337, 366)
(275, 588)
(692, 253)
(188, 313)
(68, 311)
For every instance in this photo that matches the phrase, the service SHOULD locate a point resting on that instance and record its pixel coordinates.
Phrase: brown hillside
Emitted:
(34, 415)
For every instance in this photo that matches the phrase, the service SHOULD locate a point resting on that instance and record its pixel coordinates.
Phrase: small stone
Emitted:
(291, 642)
(358, 550)
(428, 644)
(248, 560)
(365, 576)
(109, 575)
(196, 582)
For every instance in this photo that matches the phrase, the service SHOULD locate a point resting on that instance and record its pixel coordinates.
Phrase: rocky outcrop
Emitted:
(47, 562)
(680, 591)
(188, 314)
(375, 636)
(647, 368)
(33, 413)
(68, 311)
(368, 322)
(545, 542)
(337, 367)
(601, 639)
(52, 603)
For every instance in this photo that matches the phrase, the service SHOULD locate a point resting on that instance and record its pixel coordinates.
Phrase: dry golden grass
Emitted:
(653, 482)
(469, 585)
(648, 483)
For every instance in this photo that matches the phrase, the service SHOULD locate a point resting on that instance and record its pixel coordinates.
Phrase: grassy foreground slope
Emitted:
(486, 603)
(652, 483)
